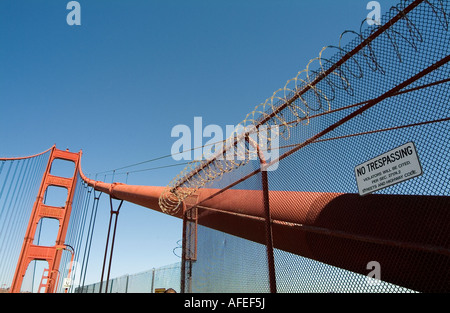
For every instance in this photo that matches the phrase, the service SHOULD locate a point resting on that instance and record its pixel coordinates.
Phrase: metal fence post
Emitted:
(268, 228)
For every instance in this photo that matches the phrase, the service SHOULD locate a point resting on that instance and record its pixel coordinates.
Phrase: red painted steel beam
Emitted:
(146, 196)
(407, 234)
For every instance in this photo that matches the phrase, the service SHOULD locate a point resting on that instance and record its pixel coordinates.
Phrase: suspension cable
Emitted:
(87, 248)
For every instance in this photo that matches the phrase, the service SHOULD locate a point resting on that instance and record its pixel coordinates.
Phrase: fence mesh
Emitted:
(376, 90)
(164, 277)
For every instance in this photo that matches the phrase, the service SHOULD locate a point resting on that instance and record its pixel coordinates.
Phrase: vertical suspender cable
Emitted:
(87, 248)
(3, 204)
(6, 178)
(4, 186)
(11, 226)
(12, 215)
(5, 226)
(79, 243)
(86, 201)
(16, 191)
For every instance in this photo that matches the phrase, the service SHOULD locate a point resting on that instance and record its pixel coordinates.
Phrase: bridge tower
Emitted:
(52, 254)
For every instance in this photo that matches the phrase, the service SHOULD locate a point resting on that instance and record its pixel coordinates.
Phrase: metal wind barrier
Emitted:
(164, 277)
(377, 89)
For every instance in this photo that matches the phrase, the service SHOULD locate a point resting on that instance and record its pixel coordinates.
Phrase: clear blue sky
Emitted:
(116, 85)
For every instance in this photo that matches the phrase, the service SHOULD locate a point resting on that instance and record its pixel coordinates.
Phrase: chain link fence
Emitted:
(304, 227)
(151, 281)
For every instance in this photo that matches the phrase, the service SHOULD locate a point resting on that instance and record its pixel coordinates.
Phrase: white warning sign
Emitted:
(388, 169)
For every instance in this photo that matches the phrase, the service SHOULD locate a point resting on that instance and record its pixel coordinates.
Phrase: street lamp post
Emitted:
(72, 251)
